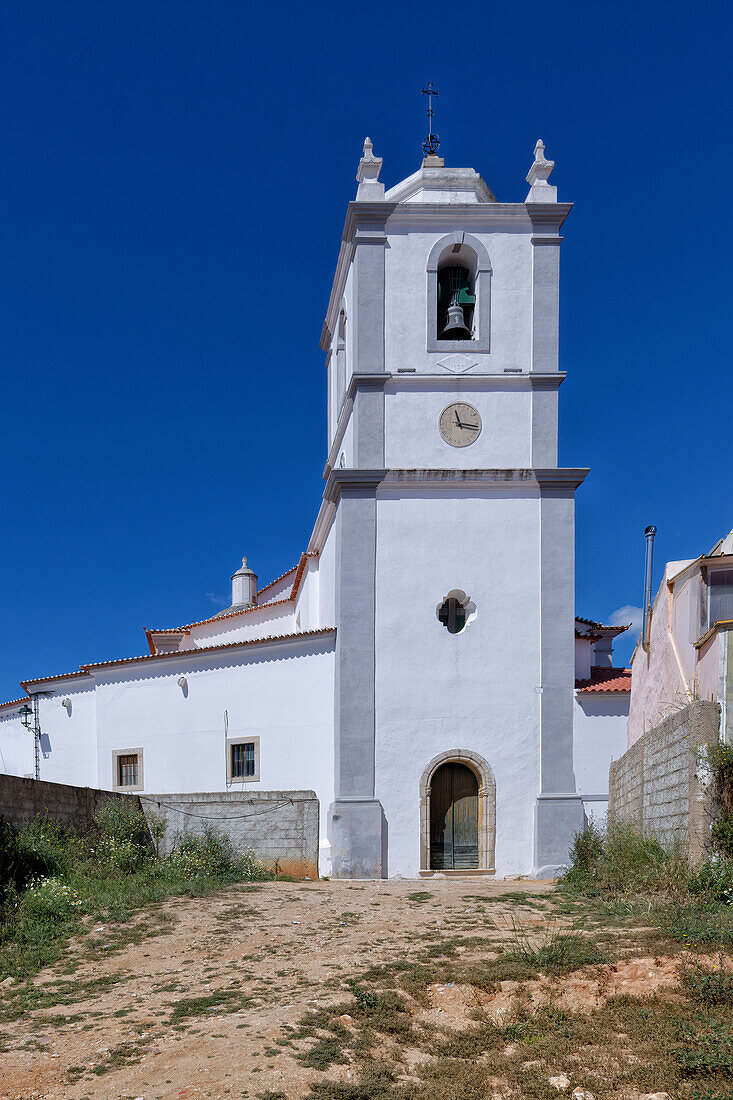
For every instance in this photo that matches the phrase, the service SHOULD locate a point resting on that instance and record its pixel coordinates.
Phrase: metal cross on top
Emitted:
(432, 144)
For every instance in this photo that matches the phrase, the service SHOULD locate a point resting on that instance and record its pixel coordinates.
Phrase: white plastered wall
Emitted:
(16, 743)
(599, 736)
(284, 696)
(261, 622)
(412, 439)
(475, 690)
(510, 253)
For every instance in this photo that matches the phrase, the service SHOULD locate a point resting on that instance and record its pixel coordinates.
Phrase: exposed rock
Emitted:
(560, 1083)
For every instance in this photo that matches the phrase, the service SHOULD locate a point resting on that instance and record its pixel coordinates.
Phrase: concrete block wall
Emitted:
(278, 826)
(658, 784)
(24, 800)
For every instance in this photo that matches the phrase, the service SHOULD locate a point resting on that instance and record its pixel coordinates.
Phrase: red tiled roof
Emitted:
(215, 618)
(605, 679)
(14, 702)
(298, 569)
(85, 670)
(592, 629)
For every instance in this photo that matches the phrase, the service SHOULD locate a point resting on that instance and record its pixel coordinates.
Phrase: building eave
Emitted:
(721, 624)
(88, 670)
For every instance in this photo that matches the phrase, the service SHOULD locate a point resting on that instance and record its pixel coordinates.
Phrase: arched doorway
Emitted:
(453, 818)
(457, 813)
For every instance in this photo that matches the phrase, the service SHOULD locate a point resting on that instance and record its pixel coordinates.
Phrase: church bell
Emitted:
(455, 326)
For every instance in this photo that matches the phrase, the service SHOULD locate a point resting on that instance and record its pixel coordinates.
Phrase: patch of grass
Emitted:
(706, 1050)
(325, 1052)
(552, 950)
(622, 861)
(107, 876)
(225, 1001)
(419, 896)
(695, 927)
(376, 1083)
(19, 1000)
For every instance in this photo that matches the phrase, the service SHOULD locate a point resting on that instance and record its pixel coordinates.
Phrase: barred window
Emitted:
(243, 760)
(127, 769)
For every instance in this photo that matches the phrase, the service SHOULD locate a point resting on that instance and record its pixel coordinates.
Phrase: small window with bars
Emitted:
(243, 760)
(128, 770)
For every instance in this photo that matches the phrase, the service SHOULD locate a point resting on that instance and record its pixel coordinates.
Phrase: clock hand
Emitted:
(473, 426)
(457, 420)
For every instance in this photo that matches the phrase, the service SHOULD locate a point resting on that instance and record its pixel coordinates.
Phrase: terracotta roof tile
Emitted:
(605, 680)
(592, 629)
(14, 702)
(86, 670)
(215, 618)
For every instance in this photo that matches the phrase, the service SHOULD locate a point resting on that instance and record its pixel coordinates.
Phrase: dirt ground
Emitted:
(235, 995)
(269, 952)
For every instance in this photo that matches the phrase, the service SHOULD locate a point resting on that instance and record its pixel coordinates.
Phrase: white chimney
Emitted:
(244, 587)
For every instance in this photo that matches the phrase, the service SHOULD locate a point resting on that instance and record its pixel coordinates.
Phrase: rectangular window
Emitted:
(243, 759)
(127, 770)
(720, 589)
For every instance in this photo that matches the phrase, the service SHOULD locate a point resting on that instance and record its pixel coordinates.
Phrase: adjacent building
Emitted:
(688, 652)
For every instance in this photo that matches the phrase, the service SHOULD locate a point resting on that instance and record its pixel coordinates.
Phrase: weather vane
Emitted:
(432, 144)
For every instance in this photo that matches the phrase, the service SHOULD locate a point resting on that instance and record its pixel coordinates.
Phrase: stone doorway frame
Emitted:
(486, 808)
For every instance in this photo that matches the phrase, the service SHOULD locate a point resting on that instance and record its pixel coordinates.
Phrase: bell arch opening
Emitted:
(458, 294)
(458, 814)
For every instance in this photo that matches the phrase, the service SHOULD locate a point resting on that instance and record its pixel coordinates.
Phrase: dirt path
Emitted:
(199, 1007)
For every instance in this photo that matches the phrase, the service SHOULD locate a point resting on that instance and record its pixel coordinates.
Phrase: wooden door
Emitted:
(453, 818)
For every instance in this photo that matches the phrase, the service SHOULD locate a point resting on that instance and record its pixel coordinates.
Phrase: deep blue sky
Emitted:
(173, 184)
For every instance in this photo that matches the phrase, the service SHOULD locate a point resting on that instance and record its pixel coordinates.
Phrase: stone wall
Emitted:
(279, 826)
(657, 784)
(23, 800)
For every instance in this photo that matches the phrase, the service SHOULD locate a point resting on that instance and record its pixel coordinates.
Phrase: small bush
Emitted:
(212, 853)
(624, 861)
(713, 881)
(722, 835)
(585, 854)
(50, 897)
(711, 983)
(19, 862)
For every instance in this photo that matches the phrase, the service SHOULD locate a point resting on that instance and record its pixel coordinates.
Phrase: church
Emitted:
(420, 667)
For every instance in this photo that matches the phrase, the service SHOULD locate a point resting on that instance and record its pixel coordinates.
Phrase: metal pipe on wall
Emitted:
(649, 534)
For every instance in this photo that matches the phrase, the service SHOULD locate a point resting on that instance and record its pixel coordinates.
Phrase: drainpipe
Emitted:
(647, 622)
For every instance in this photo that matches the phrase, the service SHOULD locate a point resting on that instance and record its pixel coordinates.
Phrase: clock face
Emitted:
(460, 424)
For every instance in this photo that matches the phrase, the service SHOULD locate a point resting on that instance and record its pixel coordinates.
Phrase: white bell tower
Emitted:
(442, 344)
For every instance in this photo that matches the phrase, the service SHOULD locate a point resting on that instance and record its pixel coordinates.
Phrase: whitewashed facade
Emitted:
(429, 625)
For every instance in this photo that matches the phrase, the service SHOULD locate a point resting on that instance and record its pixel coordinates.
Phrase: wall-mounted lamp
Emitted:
(66, 703)
(182, 682)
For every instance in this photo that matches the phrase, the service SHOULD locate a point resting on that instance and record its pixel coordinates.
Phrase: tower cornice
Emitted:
(366, 223)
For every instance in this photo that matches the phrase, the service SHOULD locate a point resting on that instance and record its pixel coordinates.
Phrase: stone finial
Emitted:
(368, 175)
(538, 175)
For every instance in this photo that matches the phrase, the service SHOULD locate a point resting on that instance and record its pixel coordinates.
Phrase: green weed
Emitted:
(708, 982)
